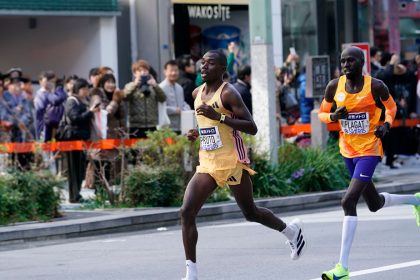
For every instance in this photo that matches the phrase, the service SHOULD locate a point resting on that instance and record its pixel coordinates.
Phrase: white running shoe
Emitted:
(298, 243)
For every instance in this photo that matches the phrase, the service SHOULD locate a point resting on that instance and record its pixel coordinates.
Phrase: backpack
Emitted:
(53, 115)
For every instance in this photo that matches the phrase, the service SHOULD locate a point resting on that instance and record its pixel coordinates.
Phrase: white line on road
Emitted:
(382, 268)
(320, 220)
(112, 240)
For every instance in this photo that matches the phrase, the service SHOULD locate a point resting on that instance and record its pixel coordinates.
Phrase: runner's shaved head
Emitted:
(354, 51)
(220, 56)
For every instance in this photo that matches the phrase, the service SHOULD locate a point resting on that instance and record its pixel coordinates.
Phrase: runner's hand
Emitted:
(192, 134)
(340, 113)
(382, 130)
(208, 111)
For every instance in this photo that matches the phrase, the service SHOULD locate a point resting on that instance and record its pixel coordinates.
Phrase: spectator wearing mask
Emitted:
(142, 96)
(187, 77)
(174, 95)
(49, 106)
(79, 116)
(243, 85)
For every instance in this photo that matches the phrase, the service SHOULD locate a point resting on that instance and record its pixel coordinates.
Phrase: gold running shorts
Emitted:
(225, 177)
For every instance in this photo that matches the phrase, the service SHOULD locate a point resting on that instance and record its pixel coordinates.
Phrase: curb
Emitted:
(154, 218)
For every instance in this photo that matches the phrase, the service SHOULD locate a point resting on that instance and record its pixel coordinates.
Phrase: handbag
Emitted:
(163, 118)
(65, 131)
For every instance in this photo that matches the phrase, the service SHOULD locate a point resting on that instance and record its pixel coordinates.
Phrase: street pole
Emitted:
(262, 65)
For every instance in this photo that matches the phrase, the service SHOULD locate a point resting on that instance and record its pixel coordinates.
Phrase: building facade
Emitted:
(69, 37)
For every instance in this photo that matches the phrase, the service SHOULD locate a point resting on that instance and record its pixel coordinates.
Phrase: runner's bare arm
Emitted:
(243, 120)
(330, 90)
(380, 91)
(193, 134)
(325, 114)
(195, 92)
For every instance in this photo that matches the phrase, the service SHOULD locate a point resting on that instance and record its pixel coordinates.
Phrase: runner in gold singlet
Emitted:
(357, 98)
(221, 114)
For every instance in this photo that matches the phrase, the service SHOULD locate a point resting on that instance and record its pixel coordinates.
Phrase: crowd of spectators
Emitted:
(402, 79)
(95, 108)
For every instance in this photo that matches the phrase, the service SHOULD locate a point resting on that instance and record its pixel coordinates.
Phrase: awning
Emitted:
(212, 2)
(59, 8)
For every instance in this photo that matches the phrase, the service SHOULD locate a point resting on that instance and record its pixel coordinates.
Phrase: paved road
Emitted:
(387, 247)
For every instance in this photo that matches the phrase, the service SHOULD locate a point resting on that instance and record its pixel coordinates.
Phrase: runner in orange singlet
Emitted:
(221, 114)
(357, 98)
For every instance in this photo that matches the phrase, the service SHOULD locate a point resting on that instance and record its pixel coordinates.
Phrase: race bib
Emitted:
(355, 123)
(210, 138)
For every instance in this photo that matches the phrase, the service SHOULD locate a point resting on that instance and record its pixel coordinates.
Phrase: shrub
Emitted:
(28, 196)
(314, 169)
(154, 186)
(269, 180)
(299, 170)
(162, 147)
(311, 169)
(220, 194)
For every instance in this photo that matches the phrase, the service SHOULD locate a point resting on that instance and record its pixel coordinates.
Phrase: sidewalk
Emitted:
(78, 223)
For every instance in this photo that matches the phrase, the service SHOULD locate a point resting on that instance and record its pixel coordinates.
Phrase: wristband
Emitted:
(222, 118)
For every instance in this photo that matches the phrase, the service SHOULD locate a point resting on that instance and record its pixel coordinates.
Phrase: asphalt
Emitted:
(79, 223)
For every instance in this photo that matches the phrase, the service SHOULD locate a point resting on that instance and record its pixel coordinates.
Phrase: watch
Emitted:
(222, 118)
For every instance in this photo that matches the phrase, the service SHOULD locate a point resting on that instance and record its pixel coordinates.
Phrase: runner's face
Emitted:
(351, 64)
(211, 70)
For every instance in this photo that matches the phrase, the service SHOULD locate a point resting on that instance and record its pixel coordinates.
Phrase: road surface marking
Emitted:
(382, 268)
(319, 220)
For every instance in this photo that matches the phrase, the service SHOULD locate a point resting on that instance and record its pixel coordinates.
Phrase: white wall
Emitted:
(109, 51)
(66, 45)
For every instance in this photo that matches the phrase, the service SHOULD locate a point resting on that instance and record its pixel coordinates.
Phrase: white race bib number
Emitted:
(210, 138)
(355, 123)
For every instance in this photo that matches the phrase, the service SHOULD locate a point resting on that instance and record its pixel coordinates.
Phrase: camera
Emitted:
(143, 86)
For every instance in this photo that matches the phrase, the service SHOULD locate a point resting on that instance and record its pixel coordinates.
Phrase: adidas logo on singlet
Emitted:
(231, 179)
(214, 105)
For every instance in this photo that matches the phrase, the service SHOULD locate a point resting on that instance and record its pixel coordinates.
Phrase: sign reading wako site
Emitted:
(219, 12)
(318, 75)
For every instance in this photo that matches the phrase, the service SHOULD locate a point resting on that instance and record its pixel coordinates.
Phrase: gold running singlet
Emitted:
(357, 137)
(223, 154)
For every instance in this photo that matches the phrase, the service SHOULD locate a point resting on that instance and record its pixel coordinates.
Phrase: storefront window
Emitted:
(410, 37)
(299, 27)
(201, 27)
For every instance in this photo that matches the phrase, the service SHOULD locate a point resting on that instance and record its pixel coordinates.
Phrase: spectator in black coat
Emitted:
(79, 117)
(375, 61)
(398, 80)
(243, 85)
(187, 77)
